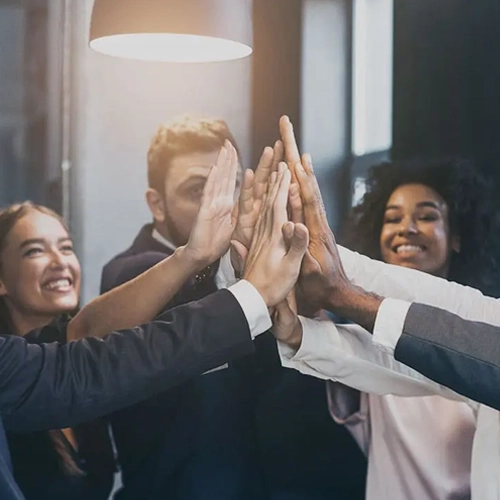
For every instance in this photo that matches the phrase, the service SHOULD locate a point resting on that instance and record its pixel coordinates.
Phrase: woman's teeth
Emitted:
(58, 284)
(409, 249)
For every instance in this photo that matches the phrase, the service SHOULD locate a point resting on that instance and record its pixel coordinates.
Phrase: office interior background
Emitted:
(363, 80)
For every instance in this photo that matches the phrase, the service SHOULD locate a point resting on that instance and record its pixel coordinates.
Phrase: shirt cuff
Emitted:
(254, 307)
(225, 276)
(389, 323)
(316, 336)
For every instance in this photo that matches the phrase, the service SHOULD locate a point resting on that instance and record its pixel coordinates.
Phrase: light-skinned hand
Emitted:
(252, 194)
(215, 223)
(278, 246)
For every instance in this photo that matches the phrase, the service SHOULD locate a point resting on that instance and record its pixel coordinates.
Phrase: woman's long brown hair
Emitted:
(8, 219)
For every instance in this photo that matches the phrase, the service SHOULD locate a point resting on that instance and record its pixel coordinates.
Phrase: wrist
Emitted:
(191, 262)
(355, 304)
(263, 290)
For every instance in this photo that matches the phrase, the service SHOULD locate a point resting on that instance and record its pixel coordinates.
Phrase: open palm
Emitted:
(215, 222)
(252, 194)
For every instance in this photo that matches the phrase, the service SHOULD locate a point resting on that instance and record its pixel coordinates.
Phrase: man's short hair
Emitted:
(184, 136)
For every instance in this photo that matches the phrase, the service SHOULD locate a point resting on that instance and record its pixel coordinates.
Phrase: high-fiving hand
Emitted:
(322, 276)
(278, 246)
(215, 223)
(252, 194)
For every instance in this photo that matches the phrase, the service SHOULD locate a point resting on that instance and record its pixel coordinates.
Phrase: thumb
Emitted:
(283, 314)
(281, 309)
(287, 230)
(298, 242)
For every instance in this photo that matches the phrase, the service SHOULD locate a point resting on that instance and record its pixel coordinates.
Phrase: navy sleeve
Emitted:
(56, 386)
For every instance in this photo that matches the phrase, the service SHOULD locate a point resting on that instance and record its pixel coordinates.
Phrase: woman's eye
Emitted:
(68, 249)
(392, 220)
(429, 217)
(33, 251)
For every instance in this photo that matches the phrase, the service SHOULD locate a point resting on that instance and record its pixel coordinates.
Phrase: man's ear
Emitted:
(156, 204)
(455, 243)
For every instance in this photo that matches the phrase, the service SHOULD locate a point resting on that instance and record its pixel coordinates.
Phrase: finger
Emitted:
(289, 142)
(241, 251)
(308, 167)
(313, 209)
(281, 202)
(245, 202)
(231, 169)
(287, 230)
(307, 163)
(263, 224)
(209, 187)
(295, 204)
(282, 310)
(278, 154)
(261, 228)
(298, 243)
(277, 193)
(271, 201)
(220, 171)
(263, 172)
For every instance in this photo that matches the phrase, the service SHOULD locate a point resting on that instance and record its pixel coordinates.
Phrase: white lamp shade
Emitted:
(172, 30)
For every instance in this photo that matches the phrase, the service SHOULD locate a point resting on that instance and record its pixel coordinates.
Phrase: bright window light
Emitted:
(166, 47)
(372, 75)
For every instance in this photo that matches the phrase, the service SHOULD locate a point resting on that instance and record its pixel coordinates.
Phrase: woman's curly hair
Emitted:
(472, 215)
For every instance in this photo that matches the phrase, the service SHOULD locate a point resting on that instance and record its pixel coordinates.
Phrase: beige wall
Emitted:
(117, 106)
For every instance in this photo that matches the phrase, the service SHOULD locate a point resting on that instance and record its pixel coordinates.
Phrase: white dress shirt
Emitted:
(254, 307)
(349, 354)
(416, 447)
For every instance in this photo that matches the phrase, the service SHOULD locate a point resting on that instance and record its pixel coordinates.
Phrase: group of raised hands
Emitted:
(277, 233)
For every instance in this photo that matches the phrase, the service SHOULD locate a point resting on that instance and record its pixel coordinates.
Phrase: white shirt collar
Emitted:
(161, 239)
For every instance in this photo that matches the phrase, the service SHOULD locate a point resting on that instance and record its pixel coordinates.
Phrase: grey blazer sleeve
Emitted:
(459, 354)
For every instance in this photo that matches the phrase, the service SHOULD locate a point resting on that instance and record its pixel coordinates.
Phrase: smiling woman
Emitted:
(435, 216)
(39, 285)
(439, 218)
(40, 273)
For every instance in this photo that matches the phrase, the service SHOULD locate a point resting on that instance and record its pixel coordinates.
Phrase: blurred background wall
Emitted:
(362, 80)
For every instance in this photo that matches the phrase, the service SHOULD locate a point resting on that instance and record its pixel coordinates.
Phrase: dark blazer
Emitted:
(270, 423)
(54, 386)
(459, 354)
(36, 463)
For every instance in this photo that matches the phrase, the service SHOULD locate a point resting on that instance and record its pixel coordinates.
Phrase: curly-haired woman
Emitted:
(437, 217)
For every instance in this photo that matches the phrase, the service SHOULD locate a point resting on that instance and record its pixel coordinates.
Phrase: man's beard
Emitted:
(176, 236)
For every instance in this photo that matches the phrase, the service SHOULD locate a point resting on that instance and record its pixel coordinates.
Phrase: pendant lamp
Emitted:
(172, 30)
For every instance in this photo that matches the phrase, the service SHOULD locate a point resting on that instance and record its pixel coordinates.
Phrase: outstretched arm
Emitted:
(51, 386)
(460, 350)
(141, 299)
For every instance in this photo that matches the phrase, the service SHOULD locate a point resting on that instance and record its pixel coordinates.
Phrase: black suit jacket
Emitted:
(303, 452)
(57, 386)
(459, 354)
